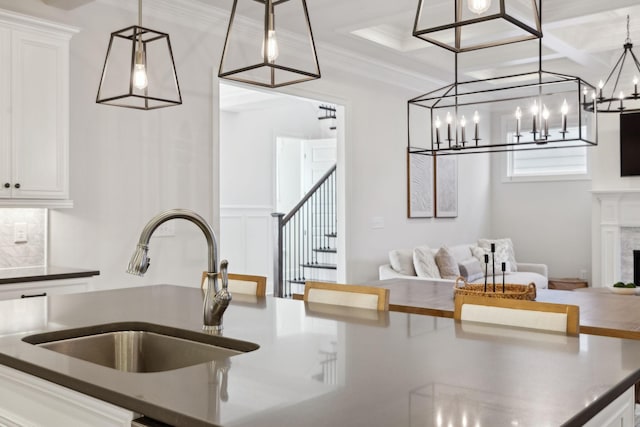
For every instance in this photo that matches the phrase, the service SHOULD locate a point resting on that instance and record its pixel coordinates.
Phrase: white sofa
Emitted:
(526, 272)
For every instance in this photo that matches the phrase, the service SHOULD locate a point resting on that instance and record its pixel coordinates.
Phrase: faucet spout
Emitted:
(214, 305)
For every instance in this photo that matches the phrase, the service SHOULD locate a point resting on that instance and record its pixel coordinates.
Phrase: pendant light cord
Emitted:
(140, 25)
(628, 40)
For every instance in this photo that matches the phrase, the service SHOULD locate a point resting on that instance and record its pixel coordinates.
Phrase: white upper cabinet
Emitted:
(34, 111)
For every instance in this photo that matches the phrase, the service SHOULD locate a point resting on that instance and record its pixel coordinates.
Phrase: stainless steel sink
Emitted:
(140, 347)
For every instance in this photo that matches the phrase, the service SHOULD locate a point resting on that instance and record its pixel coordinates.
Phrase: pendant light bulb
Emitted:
(479, 6)
(271, 41)
(140, 80)
(272, 46)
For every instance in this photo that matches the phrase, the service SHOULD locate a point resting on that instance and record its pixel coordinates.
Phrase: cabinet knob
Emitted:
(17, 185)
(7, 185)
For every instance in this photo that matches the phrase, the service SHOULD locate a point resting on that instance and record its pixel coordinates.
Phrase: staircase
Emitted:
(305, 247)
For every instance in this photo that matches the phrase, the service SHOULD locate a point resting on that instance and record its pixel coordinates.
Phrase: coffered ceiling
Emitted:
(581, 37)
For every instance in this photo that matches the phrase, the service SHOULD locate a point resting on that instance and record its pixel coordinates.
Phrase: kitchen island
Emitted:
(319, 365)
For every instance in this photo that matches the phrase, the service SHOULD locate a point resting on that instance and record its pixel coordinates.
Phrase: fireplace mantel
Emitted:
(612, 210)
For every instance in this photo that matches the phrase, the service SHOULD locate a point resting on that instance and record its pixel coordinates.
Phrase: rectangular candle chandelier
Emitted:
(536, 110)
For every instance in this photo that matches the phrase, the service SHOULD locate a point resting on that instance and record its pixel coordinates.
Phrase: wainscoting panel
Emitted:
(246, 240)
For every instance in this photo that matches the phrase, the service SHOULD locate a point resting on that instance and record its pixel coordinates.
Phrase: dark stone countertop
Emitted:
(36, 274)
(321, 365)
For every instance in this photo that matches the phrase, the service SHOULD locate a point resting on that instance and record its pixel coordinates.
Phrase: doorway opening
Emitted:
(273, 149)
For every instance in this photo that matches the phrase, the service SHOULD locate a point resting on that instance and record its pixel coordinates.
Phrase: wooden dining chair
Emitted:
(357, 296)
(243, 284)
(545, 316)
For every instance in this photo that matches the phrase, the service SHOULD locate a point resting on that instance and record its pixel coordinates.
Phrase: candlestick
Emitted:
(449, 128)
(635, 86)
(463, 125)
(486, 270)
(584, 95)
(438, 123)
(493, 265)
(504, 268)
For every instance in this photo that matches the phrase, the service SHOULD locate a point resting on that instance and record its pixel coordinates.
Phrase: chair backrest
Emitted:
(243, 284)
(525, 314)
(347, 295)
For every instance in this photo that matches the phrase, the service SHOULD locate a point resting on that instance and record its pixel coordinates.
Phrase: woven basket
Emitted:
(513, 291)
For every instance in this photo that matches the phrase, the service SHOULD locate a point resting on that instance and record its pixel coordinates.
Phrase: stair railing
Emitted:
(308, 226)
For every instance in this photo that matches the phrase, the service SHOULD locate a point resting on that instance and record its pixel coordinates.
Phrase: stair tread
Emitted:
(326, 250)
(331, 234)
(319, 265)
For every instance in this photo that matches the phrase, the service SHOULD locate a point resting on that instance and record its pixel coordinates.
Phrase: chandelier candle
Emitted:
(534, 113)
(438, 123)
(635, 86)
(518, 117)
(476, 119)
(463, 125)
(545, 117)
(564, 110)
(449, 128)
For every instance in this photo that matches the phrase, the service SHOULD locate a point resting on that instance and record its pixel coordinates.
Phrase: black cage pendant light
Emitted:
(259, 51)
(619, 92)
(536, 110)
(139, 71)
(465, 25)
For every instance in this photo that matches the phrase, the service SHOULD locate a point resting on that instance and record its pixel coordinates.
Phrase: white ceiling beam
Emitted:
(66, 4)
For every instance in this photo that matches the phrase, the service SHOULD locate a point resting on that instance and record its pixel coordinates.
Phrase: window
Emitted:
(567, 163)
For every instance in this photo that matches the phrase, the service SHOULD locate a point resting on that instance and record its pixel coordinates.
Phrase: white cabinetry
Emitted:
(43, 288)
(34, 111)
(619, 413)
(26, 400)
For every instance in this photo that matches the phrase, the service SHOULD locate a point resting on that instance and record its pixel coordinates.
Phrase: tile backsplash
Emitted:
(31, 253)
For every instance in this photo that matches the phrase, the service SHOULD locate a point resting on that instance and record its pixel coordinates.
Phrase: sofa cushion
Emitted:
(424, 263)
(504, 252)
(401, 260)
(447, 264)
(471, 269)
(460, 252)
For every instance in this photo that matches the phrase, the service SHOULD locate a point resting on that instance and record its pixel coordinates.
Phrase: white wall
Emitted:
(128, 165)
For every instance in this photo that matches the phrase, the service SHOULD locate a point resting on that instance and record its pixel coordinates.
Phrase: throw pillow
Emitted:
(504, 251)
(479, 253)
(447, 264)
(401, 260)
(425, 263)
(471, 269)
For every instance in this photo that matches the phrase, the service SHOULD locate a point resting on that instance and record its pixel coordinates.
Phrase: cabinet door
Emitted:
(5, 113)
(39, 120)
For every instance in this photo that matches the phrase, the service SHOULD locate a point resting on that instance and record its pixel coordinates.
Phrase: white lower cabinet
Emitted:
(619, 413)
(43, 288)
(26, 400)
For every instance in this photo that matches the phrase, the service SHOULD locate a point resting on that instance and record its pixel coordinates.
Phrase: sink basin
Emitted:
(140, 347)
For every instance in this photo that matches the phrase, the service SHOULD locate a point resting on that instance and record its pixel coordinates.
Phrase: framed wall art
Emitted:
(446, 186)
(420, 186)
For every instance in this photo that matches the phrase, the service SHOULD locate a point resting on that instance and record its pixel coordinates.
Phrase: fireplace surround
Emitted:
(616, 234)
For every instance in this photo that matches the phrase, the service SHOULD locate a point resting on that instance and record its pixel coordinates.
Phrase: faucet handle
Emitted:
(224, 264)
